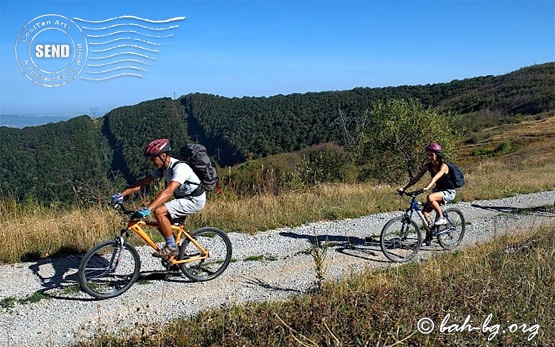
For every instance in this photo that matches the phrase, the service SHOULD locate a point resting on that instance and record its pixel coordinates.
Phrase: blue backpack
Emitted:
(456, 175)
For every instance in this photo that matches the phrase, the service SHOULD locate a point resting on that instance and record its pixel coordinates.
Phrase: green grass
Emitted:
(260, 258)
(10, 301)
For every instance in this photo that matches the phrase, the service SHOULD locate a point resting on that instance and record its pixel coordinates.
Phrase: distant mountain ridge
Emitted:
(82, 156)
(18, 121)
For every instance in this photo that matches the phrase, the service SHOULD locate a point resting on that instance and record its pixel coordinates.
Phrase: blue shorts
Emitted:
(448, 195)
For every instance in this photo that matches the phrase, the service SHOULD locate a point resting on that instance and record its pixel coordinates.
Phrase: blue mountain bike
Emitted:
(401, 237)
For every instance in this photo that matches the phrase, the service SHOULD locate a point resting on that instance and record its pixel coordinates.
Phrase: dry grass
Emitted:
(34, 231)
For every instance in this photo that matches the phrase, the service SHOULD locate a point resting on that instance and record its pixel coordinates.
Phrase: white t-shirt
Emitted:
(180, 173)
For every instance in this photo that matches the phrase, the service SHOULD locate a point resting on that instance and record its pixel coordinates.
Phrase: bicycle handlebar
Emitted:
(413, 194)
(120, 206)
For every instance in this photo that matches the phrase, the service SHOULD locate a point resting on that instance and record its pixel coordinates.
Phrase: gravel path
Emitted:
(287, 268)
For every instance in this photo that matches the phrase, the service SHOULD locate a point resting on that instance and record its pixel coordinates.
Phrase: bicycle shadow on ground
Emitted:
(363, 248)
(254, 281)
(57, 275)
(542, 211)
(171, 275)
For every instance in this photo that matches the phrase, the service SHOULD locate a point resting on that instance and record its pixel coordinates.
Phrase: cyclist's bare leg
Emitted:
(164, 224)
(433, 200)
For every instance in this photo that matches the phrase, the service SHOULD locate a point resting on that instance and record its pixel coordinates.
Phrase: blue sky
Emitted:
(265, 48)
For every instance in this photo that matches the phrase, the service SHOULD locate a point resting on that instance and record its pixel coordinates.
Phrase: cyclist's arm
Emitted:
(443, 170)
(138, 185)
(416, 178)
(164, 196)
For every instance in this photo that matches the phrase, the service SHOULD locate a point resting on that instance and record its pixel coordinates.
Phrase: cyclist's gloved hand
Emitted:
(117, 198)
(400, 191)
(142, 212)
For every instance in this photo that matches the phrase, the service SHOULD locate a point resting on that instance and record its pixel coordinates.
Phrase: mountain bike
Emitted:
(401, 237)
(111, 267)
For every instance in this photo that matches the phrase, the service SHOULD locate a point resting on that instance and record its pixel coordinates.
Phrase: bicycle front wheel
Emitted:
(109, 269)
(400, 239)
(450, 235)
(218, 245)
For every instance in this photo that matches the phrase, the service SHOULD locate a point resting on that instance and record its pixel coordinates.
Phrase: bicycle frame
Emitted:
(136, 227)
(415, 207)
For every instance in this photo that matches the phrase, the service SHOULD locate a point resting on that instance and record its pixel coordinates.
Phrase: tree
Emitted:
(394, 134)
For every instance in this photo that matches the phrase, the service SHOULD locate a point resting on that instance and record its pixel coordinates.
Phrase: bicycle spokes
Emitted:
(400, 239)
(200, 266)
(109, 269)
(453, 233)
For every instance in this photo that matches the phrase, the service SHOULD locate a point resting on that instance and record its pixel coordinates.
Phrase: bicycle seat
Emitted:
(178, 221)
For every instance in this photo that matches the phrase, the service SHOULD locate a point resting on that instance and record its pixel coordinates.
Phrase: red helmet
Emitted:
(157, 147)
(433, 147)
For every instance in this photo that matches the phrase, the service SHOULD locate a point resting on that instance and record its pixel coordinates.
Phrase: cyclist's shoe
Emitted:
(166, 252)
(440, 221)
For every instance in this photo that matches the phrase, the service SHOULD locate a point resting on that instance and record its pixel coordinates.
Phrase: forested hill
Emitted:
(251, 127)
(81, 157)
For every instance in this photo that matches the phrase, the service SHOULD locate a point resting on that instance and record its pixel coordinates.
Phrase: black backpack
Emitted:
(456, 175)
(197, 158)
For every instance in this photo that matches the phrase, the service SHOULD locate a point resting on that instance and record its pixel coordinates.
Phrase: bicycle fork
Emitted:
(116, 256)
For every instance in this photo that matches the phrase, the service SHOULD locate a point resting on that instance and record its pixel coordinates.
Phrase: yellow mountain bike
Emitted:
(111, 267)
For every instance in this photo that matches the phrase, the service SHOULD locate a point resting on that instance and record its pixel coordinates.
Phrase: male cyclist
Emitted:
(181, 182)
(444, 190)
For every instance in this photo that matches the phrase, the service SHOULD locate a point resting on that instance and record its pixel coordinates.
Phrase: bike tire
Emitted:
(400, 239)
(451, 235)
(218, 245)
(108, 269)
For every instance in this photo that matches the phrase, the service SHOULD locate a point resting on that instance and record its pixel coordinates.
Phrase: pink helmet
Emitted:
(157, 147)
(433, 147)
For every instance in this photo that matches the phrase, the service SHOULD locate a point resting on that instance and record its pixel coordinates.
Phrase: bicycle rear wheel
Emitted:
(217, 243)
(109, 269)
(450, 235)
(400, 239)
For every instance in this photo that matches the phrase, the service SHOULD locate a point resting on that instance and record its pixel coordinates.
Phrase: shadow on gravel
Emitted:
(58, 277)
(367, 249)
(172, 275)
(542, 211)
(260, 283)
